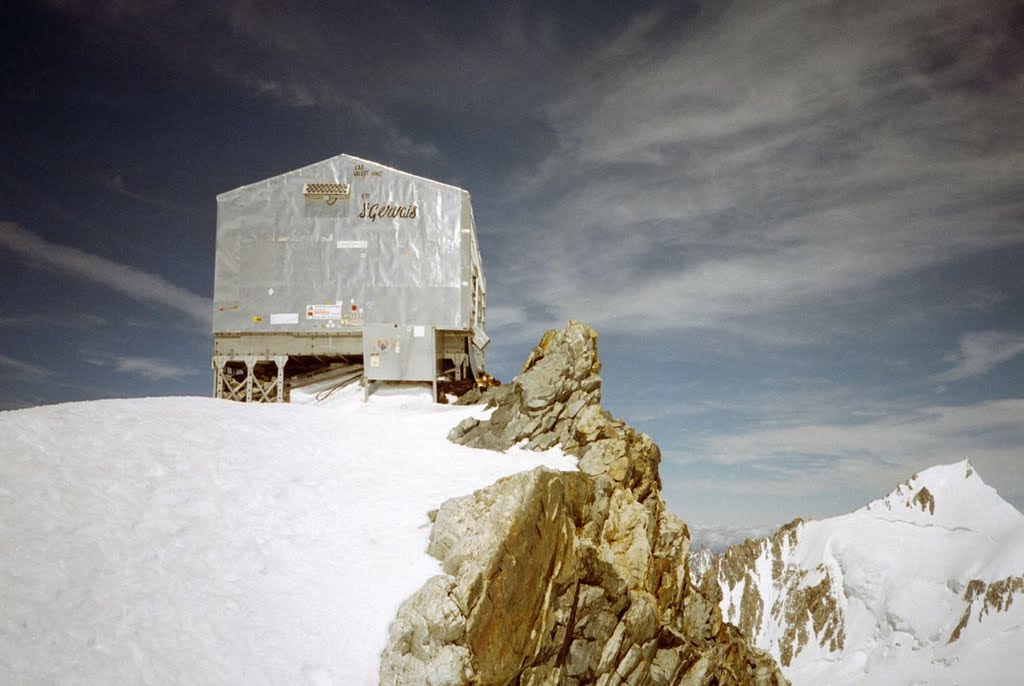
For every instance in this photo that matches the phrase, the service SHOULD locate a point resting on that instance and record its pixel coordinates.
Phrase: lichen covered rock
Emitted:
(556, 394)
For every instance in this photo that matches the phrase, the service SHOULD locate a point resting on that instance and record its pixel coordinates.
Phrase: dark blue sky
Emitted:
(797, 226)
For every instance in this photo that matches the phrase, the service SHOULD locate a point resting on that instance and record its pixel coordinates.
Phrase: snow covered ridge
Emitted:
(916, 587)
(191, 540)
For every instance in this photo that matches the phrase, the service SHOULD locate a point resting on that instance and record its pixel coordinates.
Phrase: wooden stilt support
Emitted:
(250, 364)
(280, 361)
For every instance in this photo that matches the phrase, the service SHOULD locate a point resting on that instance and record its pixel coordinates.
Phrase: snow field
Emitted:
(190, 540)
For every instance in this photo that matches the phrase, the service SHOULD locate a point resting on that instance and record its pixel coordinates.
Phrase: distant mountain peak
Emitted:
(952, 495)
(924, 581)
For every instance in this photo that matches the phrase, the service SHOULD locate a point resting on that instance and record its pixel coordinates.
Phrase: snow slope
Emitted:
(190, 540)
(876, 596)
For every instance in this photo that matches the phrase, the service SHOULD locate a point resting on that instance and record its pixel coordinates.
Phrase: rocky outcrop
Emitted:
(806, 601)
(925, 500)
(565, 577)
(912, 494)
(995, 596)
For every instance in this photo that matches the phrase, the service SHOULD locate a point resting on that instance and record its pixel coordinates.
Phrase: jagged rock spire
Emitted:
(565, 577)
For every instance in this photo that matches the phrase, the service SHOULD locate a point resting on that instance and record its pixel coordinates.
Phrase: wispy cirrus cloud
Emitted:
(127, 280)
(76, 320)
(151, 368)
(774, 160)
(810, 457)
(23, 369)
(980, 352)
(938, 431)
(288, 54)
(117, 184)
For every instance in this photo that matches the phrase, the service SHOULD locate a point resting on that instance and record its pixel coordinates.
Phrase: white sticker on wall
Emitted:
(323, 312)
(352, 244)
(419, 331)
(285, 318)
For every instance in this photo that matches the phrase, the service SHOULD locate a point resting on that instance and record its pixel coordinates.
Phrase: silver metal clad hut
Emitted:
(343, 263)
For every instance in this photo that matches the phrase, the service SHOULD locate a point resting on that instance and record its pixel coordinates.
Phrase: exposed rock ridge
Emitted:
(995, 596)
(565, 577)
(910, 494)
(805, 603)
(913, 494)
(925, 500)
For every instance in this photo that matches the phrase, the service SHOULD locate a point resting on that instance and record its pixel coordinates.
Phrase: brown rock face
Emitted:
(992, 597)
(925, 500)
(565, 577)
(809, 611)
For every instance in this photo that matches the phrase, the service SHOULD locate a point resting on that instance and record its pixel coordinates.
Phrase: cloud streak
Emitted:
(126, 280)
(842, 458)
(151, 368)
(287, 54)
(116, 184)
(771, 161)
(76, 321)
(980, 352)
(23, 369)
(937, 432)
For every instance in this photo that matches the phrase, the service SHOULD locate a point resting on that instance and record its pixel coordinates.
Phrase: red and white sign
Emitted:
(323, 312)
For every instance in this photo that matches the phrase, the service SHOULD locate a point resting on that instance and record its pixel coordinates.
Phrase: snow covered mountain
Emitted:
(700, 562)
(915, 588)
(191, 540)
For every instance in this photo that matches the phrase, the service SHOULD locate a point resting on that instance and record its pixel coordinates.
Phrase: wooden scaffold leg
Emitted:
(230, 385)
(280, 361)
(250, 365)
(218, 363)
